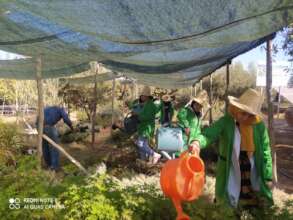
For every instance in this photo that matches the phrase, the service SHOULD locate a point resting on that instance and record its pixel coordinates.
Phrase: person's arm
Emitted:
(211, 134)
(202, 141)
(147, 113)
(66, 118)
(182, 118)
(267, 169)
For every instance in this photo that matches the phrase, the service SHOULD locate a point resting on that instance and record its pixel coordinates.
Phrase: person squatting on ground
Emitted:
(146, 126)
(244, 168)
(52, 115)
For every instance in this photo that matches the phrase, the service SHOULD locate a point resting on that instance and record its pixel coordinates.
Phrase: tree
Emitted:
(7, 91)
(240, 80)
(82, 96)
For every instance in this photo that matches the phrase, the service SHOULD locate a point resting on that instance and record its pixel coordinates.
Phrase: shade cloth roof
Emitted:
(158, 42)
(90, 79)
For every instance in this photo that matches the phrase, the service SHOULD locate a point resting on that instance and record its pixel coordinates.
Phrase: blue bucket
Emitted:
(169, 139)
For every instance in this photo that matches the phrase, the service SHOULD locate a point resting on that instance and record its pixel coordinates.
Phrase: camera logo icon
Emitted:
(14, 203)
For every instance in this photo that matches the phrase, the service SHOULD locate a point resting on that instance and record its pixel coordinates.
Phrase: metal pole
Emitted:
(40, 107)
(270, 107)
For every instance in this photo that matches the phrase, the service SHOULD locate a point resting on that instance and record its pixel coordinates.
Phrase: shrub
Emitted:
(10, 143)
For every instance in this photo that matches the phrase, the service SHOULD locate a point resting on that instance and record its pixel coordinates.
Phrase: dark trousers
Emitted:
(51, 154)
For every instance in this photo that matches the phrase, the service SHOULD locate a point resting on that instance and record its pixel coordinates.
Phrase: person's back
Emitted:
(53, 114)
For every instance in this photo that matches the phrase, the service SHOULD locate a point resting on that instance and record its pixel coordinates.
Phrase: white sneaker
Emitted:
(156, 158)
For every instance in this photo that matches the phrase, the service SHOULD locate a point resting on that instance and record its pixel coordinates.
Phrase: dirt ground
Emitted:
(120, 155)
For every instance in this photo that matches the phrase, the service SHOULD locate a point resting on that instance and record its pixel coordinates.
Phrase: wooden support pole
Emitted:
(227, 85)
(113, 100)
(193, 90)
(40, 108)
(94, 69)
(211, 98)
(73, 160)
(270, 106)
(200, 85)
(279, 102)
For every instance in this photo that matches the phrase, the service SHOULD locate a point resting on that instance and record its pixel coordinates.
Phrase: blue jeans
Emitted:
(143, 148)
(51, 154)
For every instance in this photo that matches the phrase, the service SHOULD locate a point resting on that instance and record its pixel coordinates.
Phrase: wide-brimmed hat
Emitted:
(250, 101)
(166, 98)
(146, 91)
(201, 98)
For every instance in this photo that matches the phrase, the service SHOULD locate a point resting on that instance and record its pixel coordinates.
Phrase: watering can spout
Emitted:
(182, 179)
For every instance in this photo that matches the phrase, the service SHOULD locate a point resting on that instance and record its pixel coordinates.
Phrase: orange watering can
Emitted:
(182, 179)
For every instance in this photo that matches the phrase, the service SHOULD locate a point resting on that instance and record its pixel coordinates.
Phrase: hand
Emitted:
(194, 147)
(270, 184)
(187, 131)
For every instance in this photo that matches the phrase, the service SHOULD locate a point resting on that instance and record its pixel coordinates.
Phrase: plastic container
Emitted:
(182, 179)
(169, 139)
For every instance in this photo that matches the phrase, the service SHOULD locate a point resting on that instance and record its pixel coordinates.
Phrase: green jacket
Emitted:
(188, 119)
(223, 129)
(146, 116)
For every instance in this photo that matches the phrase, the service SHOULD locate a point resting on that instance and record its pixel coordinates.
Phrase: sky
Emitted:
(258, 54)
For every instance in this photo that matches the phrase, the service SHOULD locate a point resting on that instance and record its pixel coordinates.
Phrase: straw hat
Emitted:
(250, 101)
(146, 91)
(201, 98)
(166, 98)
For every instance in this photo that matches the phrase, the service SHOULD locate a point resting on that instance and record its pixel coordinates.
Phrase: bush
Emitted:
(104, 198)
(10, 143)
(25, 181)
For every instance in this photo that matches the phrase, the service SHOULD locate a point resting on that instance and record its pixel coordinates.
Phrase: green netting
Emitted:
(180, 40)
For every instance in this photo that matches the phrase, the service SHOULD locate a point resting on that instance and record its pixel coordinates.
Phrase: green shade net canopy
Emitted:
(158, 42)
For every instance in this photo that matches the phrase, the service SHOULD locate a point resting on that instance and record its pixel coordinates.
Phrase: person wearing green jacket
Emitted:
(146, 127)
(244, 167)
(189, 119)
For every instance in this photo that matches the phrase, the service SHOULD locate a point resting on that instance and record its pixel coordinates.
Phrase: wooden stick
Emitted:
(279, 101)
(40, 108)
(73, 160)
(113, 99)
(270, 107)
(227, 85)
(279, 146)
(211, 98)
(94, 68)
